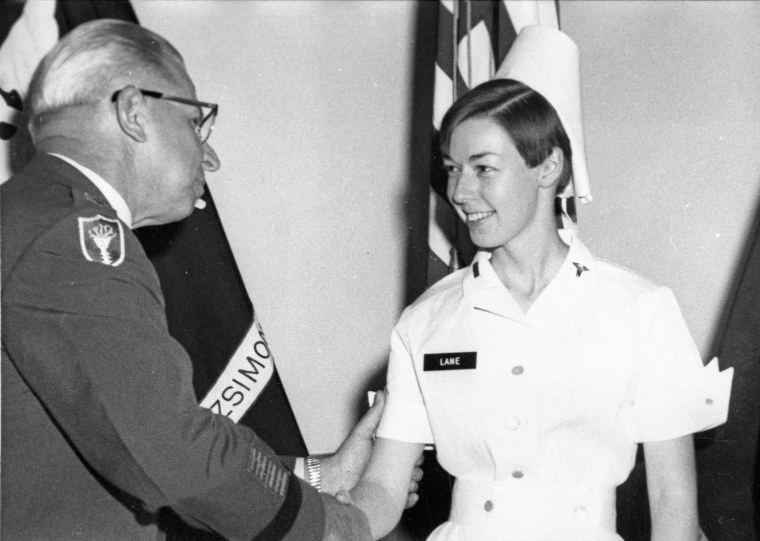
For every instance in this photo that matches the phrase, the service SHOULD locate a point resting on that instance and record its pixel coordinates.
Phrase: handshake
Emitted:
(342, 477)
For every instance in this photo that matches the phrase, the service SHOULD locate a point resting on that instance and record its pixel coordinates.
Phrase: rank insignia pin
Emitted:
(579, 269)
(92, 199)
(102, 240)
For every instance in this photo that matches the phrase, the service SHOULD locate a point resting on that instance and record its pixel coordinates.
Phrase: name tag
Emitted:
(463, 360)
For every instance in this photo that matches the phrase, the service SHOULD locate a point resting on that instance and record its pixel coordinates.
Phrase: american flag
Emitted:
(473, 39)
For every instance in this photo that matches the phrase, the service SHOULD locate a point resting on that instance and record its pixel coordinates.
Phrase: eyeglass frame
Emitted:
(186, 101)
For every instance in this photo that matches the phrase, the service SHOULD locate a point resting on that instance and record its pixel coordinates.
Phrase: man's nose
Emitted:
(210, 159)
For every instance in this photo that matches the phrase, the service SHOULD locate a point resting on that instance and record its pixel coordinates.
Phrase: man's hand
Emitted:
(341, 471)
(344, 522)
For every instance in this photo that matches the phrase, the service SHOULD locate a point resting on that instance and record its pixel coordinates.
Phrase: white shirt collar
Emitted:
(112, 196)
(558, 303)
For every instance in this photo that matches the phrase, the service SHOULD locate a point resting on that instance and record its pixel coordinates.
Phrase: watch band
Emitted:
(314, 472)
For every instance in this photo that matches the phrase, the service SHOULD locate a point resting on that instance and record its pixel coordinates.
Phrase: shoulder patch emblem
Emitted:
(102, 240)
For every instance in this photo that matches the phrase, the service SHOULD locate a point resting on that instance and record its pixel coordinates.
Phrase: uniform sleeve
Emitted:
(676, 394)
(91, 340)
(404, 417)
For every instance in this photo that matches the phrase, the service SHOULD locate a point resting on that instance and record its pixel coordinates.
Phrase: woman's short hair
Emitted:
(83, 66)
(527, 117)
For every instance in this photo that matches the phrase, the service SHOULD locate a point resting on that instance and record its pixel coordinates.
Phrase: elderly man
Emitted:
(101, 428)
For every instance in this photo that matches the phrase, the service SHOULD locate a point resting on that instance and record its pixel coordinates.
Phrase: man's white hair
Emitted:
(91, 61)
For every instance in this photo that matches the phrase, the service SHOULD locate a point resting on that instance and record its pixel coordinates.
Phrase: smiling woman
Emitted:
(573, 359)
(492, 189)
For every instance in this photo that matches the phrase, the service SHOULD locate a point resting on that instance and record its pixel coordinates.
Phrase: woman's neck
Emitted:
(526, 265)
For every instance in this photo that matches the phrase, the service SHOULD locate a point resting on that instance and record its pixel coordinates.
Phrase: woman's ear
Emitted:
(551, 168)
(130, 112)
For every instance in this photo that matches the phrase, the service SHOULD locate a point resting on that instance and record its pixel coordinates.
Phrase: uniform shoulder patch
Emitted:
(102, 240)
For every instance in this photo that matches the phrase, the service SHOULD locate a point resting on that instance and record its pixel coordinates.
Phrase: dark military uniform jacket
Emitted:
(100, 424)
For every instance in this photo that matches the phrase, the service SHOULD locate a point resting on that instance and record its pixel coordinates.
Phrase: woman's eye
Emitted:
(485, 169)
(450, 169)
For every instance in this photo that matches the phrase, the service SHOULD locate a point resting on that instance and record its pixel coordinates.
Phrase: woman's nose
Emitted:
(461, 188)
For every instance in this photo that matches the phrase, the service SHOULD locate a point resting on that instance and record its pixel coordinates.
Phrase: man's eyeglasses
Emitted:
(204, 127)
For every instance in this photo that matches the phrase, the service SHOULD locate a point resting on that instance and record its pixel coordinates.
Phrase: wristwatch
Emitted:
(314, 472)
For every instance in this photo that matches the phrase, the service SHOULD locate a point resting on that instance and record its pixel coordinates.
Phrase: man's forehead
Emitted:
(181, 81)
(171, 79)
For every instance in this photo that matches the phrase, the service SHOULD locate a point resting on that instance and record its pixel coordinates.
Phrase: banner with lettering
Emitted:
(247, 374)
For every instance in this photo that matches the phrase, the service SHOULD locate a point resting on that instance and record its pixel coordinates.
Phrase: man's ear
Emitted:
(130, 112)
(551, 168)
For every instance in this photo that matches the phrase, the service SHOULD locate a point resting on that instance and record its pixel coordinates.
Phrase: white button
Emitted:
(488, 505)
(517, 474)
(513, 423)
(517, 370)
(581, 512)
(709, 401)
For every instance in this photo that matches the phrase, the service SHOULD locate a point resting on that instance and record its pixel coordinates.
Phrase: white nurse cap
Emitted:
(546, 60)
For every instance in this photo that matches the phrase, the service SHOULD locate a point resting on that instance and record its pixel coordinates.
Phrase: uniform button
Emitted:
(488, 505)
(513, 423)
(517, 474)
(581, 512)
(709, 401)
(517, 370)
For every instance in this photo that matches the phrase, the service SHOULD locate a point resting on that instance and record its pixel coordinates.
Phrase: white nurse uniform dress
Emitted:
(538, 414)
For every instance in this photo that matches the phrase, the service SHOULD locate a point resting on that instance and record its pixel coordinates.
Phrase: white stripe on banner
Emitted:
(245, 377)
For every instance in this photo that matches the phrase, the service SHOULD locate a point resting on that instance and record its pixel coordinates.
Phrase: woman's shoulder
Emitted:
(611, 275)
(621, 284)
(624, 276)
(443, 292)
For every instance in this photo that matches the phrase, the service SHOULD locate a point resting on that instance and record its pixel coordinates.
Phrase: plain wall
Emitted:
(318, 189)
(672, 119)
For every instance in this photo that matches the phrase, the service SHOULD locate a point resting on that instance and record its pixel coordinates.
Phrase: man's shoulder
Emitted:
(38, 205)
(48, 185)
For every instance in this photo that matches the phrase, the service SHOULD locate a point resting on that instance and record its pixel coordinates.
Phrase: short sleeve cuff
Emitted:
(700, 403)
(404, 420)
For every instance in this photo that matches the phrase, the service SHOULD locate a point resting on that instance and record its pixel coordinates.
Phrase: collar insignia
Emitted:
(92, 199)
(102, 240)
(579, 269)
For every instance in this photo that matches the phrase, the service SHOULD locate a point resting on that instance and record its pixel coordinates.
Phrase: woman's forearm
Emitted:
(672, 489)
(674, 517)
